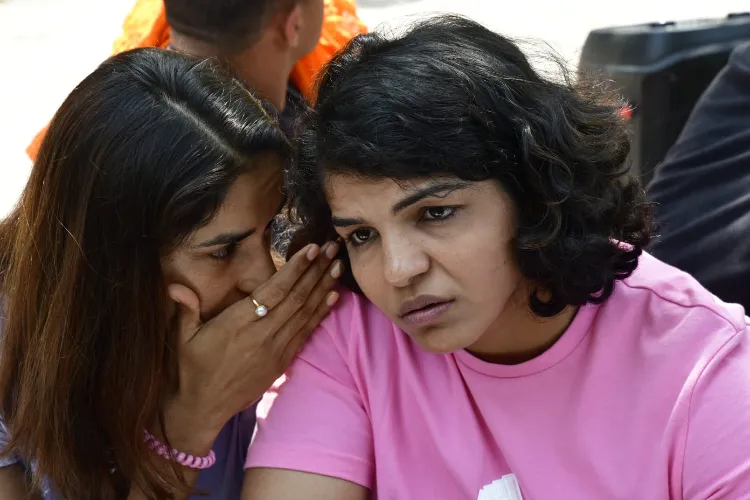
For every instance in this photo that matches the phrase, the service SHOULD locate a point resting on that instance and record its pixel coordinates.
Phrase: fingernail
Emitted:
(313, 252)
(332, 298)
(332, 250)
(336, 270)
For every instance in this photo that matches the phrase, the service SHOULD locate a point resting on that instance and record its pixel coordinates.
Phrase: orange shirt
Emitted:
(146, 26)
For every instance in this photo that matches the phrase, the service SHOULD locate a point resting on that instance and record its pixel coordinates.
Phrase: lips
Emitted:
(420, 302)
(424, 310)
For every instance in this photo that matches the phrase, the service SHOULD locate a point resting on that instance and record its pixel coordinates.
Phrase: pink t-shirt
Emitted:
(644, 397)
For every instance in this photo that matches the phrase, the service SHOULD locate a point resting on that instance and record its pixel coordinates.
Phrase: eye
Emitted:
(438, 213)
(360, 236)
(224, 252)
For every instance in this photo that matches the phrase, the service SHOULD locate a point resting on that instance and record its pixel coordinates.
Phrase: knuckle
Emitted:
(304, 315)
(298, 297)
(270, 296)
(318, 315)
(308, 311)
(321, 268)
(295, 268)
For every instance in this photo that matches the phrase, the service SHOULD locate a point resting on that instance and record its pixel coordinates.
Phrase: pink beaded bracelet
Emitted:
(181, 458)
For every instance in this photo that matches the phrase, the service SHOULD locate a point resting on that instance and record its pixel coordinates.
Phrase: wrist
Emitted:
(197, 444)
(198, 462)
(188, 432)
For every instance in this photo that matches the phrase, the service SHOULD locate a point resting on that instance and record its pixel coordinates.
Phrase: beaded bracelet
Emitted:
(181, 458)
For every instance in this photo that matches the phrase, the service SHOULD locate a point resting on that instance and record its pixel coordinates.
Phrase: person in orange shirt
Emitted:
(275, 46)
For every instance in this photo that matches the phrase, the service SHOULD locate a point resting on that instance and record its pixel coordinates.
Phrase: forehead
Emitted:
(253, 198)
(253, 191)
(344, 191)
(352, 196)
(340, 184)
(340, 187)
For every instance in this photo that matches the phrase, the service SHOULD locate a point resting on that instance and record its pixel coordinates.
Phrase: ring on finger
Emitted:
(260, 309)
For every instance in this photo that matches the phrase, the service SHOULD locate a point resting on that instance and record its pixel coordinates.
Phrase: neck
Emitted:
(518, 335)
(260, 66)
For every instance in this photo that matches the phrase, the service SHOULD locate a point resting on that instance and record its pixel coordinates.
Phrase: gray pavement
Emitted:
(47, 46)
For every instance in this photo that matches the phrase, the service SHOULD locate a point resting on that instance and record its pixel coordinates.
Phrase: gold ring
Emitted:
(260, 309)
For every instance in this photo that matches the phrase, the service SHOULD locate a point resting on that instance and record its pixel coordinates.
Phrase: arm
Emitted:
(14, 485)
(226, 370)
(183, 440)
(716, 462)
(280, 484)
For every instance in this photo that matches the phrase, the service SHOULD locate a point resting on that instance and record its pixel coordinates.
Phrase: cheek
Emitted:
(368, 273)
(213, 292)
(205, 280)
(483, 262)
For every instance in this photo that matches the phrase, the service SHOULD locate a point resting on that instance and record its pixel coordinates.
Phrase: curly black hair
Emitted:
(451, 98)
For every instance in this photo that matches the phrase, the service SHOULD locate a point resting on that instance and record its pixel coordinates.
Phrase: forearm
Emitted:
(188, 435)
(275, 484)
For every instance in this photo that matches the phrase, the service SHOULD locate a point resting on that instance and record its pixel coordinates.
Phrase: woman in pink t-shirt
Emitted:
(517, 342)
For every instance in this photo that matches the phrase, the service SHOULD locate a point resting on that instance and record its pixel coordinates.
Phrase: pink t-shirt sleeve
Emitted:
(315, 420)
(717, 449)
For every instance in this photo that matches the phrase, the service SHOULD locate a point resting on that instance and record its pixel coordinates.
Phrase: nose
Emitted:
(255, 273)
(404, 260)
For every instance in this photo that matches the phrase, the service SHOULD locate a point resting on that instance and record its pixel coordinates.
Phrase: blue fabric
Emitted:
(223, 481)
(702, 188)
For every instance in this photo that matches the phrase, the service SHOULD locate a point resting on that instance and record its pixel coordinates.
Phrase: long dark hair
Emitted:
(450, 97)
(140, 155)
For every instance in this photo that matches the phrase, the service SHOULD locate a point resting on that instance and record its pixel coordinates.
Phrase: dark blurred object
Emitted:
(701, 189)
(661, 69)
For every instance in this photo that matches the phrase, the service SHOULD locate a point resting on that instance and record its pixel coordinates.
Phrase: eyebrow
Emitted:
(226, 239)
(438, 188)
(443, 187)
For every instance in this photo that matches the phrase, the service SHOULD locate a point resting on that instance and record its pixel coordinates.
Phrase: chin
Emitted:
(438, 340)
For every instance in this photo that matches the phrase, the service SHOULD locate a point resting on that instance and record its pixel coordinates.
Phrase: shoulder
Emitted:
(663, 321)
(353, 317)
(666, 299)
(740, 58)
(349, 327)
(692, 351)
(356, 341)
(718, 418)
(12, 458)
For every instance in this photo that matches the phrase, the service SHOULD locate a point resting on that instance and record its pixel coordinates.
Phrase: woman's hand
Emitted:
(227, 363)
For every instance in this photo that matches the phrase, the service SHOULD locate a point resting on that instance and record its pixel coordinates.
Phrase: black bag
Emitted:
(661, 69)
